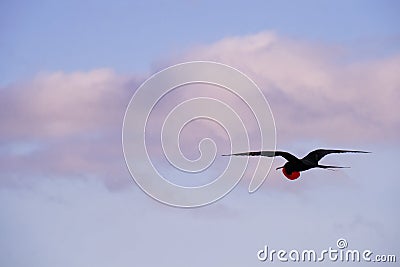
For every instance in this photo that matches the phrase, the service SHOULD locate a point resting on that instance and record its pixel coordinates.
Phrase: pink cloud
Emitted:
(62, 105)
(76, 118)
(314, 92)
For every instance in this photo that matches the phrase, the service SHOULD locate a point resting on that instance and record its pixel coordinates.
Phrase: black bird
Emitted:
(294, 165)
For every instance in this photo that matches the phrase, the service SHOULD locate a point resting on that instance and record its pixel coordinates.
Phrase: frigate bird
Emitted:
(294, 165)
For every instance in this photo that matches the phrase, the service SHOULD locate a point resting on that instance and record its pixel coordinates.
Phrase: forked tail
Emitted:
(331, 167)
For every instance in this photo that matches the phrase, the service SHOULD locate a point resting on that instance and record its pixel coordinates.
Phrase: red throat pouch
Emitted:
(292, 176)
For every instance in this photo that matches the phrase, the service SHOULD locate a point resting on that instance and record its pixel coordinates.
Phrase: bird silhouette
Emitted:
(294, 165)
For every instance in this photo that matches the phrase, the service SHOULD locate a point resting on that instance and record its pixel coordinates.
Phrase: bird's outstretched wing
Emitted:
(286, 155)
(318, 154)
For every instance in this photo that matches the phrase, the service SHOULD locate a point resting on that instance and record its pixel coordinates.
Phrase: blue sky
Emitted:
(329, 70)
(129, 35)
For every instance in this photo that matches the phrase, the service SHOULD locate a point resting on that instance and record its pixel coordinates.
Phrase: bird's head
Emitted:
(289, 171)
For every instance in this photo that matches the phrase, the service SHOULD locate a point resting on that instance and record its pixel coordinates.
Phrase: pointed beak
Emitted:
(279, 167)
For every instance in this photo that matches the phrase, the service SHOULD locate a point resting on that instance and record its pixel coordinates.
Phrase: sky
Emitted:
(328, 69)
